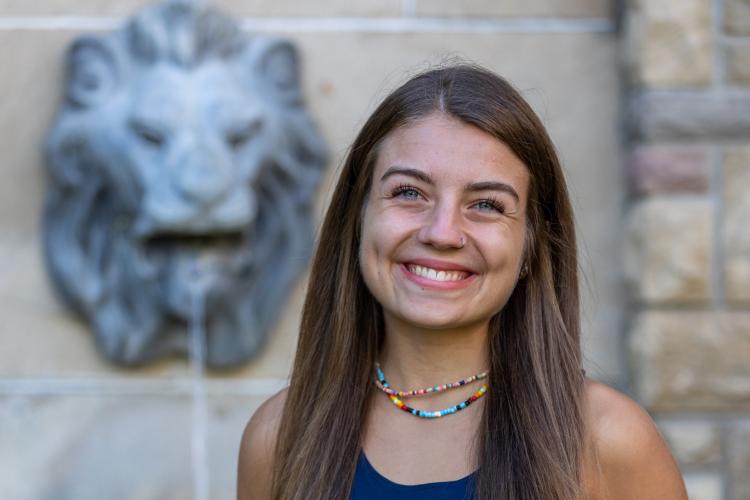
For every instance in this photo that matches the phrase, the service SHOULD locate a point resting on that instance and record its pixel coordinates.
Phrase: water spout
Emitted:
(197, 342)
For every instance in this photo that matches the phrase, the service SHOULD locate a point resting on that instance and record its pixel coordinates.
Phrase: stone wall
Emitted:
(687, 236)
(73, 427)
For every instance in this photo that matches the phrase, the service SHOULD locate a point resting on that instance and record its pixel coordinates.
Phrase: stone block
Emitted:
(704, 486)
(739, 460)
(684, 360)
(738, 64)
(736, 227)
(35, 84)
(515, 8)
(670, 43)
(293, 8)
(693, 443)
(227, 417)
(661, 116)
(737, 17)
(668, 250)
(88, 448)
(670, 169)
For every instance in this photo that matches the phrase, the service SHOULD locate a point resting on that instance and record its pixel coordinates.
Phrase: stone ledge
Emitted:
(516, 8)
(21, 8)
(675, 116)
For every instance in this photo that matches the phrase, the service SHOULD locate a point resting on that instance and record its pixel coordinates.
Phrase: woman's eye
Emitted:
(407, 193)
(491, 206)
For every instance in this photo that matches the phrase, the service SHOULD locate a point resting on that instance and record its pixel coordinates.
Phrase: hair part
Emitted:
(531, 435)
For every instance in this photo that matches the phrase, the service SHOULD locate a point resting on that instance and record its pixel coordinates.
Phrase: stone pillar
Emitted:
(688, 232)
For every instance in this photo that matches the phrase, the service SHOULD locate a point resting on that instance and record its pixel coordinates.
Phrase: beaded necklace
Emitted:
(393, 395)
(386, 388)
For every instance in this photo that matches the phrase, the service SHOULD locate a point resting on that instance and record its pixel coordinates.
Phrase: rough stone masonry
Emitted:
(688, 238)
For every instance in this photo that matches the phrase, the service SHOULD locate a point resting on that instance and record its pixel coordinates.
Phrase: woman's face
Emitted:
(444, 224)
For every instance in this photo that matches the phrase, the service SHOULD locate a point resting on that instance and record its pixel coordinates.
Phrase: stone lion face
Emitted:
(182, 177)
(206, 137)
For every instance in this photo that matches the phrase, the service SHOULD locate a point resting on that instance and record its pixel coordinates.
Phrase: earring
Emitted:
(524, 271)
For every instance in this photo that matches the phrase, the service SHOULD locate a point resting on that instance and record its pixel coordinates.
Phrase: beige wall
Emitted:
(74, 427)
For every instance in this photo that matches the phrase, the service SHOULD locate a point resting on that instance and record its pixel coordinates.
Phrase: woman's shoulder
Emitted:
(264, 422)
(627, 456)
(255, 467)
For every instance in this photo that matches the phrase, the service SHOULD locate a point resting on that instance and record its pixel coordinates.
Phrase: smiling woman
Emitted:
(443, 230)
(447, 260)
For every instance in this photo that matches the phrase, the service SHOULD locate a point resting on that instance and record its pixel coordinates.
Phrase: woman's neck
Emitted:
(415, 358)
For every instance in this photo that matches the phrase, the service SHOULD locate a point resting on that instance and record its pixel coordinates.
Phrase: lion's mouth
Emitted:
(217, 241)
(226, 252)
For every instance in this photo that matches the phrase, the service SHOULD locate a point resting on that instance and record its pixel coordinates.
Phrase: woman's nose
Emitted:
(443, 229)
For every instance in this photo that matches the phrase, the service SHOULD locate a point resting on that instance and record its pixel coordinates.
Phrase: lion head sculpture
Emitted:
(183, 167)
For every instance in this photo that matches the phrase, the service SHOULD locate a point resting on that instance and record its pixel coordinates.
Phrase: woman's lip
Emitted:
(439, 265)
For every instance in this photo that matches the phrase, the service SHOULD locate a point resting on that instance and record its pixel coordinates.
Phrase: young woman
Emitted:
(439, 352)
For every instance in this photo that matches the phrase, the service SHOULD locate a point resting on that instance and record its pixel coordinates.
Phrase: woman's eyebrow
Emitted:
(493, 186)
(410, 172)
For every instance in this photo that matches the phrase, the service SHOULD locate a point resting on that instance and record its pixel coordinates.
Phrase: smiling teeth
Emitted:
(432, 274)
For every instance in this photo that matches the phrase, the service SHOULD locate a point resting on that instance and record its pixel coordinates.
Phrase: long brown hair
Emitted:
(531, 434)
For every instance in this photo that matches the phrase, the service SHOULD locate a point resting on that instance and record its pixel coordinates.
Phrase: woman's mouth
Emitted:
(441, 275)
(435, 274)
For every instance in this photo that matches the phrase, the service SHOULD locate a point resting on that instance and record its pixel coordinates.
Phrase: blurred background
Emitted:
(648, 102)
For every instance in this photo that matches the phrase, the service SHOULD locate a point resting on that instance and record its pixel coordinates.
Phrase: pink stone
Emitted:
(669, 169)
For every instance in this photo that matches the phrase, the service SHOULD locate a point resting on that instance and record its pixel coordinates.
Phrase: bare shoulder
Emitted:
(257, 448)
(629, 458)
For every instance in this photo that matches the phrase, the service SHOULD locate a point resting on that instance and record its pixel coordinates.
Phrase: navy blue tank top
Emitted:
(370, 485)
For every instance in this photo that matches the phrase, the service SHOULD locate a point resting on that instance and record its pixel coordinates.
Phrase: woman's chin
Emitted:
(435, 320)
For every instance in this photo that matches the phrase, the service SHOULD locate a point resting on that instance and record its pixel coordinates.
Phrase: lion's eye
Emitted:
(237, 139)
(148, 135)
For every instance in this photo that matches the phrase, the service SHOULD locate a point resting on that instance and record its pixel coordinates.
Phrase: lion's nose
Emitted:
(202, 182)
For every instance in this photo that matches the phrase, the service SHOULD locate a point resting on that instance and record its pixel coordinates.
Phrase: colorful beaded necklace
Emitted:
(383, 384)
